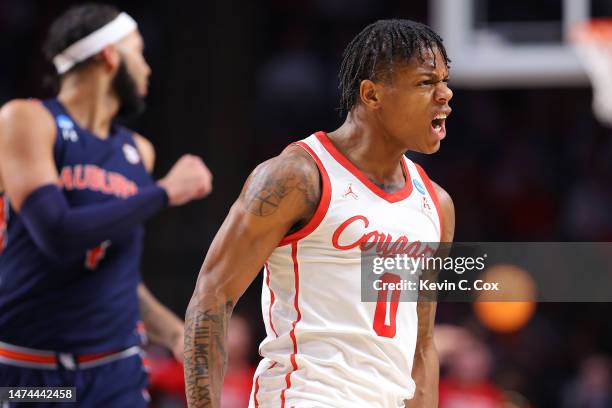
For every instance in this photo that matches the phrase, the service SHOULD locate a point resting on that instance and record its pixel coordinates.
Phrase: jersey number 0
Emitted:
(386, 309)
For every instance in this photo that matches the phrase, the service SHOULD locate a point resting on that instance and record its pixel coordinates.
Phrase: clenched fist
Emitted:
(189, 179)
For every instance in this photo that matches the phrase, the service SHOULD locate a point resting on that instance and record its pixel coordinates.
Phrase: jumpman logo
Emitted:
(350, 192)
(426, 207)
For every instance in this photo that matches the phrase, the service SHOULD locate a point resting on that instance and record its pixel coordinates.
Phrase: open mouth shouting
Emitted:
(438, 124)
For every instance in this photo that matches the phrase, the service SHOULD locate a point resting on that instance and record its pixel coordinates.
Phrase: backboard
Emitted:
(517, 43)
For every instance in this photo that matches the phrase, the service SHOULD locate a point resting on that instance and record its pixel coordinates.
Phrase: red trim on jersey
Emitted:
(255, 401)
(256, 391)
(323, 202)
(296, 272)
(433, 193)
(95, 356)
(43, 357)
(272, 298)
(28, 357)
(288, 382)
(348, 165)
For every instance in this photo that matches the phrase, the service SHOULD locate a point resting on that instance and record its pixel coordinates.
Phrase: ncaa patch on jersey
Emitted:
(64, 122)
(131, 154)
(66, 126)
(419, 186)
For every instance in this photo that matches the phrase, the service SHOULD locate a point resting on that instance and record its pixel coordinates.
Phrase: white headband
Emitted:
(95, 42)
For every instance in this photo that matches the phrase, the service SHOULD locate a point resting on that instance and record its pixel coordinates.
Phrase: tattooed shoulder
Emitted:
(291, 174)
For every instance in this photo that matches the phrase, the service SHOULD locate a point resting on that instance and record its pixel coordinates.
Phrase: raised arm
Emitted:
(426, 366)
(30, 179)
(280, 195)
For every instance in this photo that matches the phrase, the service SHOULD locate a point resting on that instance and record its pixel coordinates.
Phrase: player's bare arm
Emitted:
(162, 326)
(280, 195)
(426, 368)
(27, 133)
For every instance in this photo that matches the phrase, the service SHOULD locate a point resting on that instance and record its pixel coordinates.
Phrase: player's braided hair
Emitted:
(74, 24)
(373, 53)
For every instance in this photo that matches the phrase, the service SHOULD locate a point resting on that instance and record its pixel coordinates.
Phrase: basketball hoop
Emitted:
(593, 42)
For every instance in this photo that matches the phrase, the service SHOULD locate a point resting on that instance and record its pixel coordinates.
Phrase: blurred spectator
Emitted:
(592, 388)
(468, 364)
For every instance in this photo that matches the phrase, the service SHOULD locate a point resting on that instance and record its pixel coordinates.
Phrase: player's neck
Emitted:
(89, 102)
(364, 146)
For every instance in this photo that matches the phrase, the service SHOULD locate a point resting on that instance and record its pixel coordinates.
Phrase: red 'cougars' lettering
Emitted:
(96, 179)
(383, 243)
(342, 227)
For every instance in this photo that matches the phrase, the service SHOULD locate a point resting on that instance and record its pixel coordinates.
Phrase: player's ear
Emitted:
(110, 57)
(369, 93)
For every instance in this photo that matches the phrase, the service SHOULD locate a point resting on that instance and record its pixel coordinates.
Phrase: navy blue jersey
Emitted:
(85, 302)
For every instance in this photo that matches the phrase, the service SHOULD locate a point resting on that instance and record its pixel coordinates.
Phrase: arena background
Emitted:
(236, 81)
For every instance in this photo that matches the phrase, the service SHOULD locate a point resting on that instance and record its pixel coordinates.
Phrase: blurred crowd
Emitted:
(520, 164)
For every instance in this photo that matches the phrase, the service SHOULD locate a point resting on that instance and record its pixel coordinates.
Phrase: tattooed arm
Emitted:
(426, 366)
(280, 195)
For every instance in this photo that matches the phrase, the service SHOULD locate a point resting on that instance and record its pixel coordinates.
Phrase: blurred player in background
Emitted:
(77, 190)
(304, 215)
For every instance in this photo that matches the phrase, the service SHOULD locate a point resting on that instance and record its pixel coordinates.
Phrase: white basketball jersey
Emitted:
(324, 346)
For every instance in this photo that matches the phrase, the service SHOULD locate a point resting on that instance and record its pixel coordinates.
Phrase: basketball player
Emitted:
(77, 190)
(304, 214)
